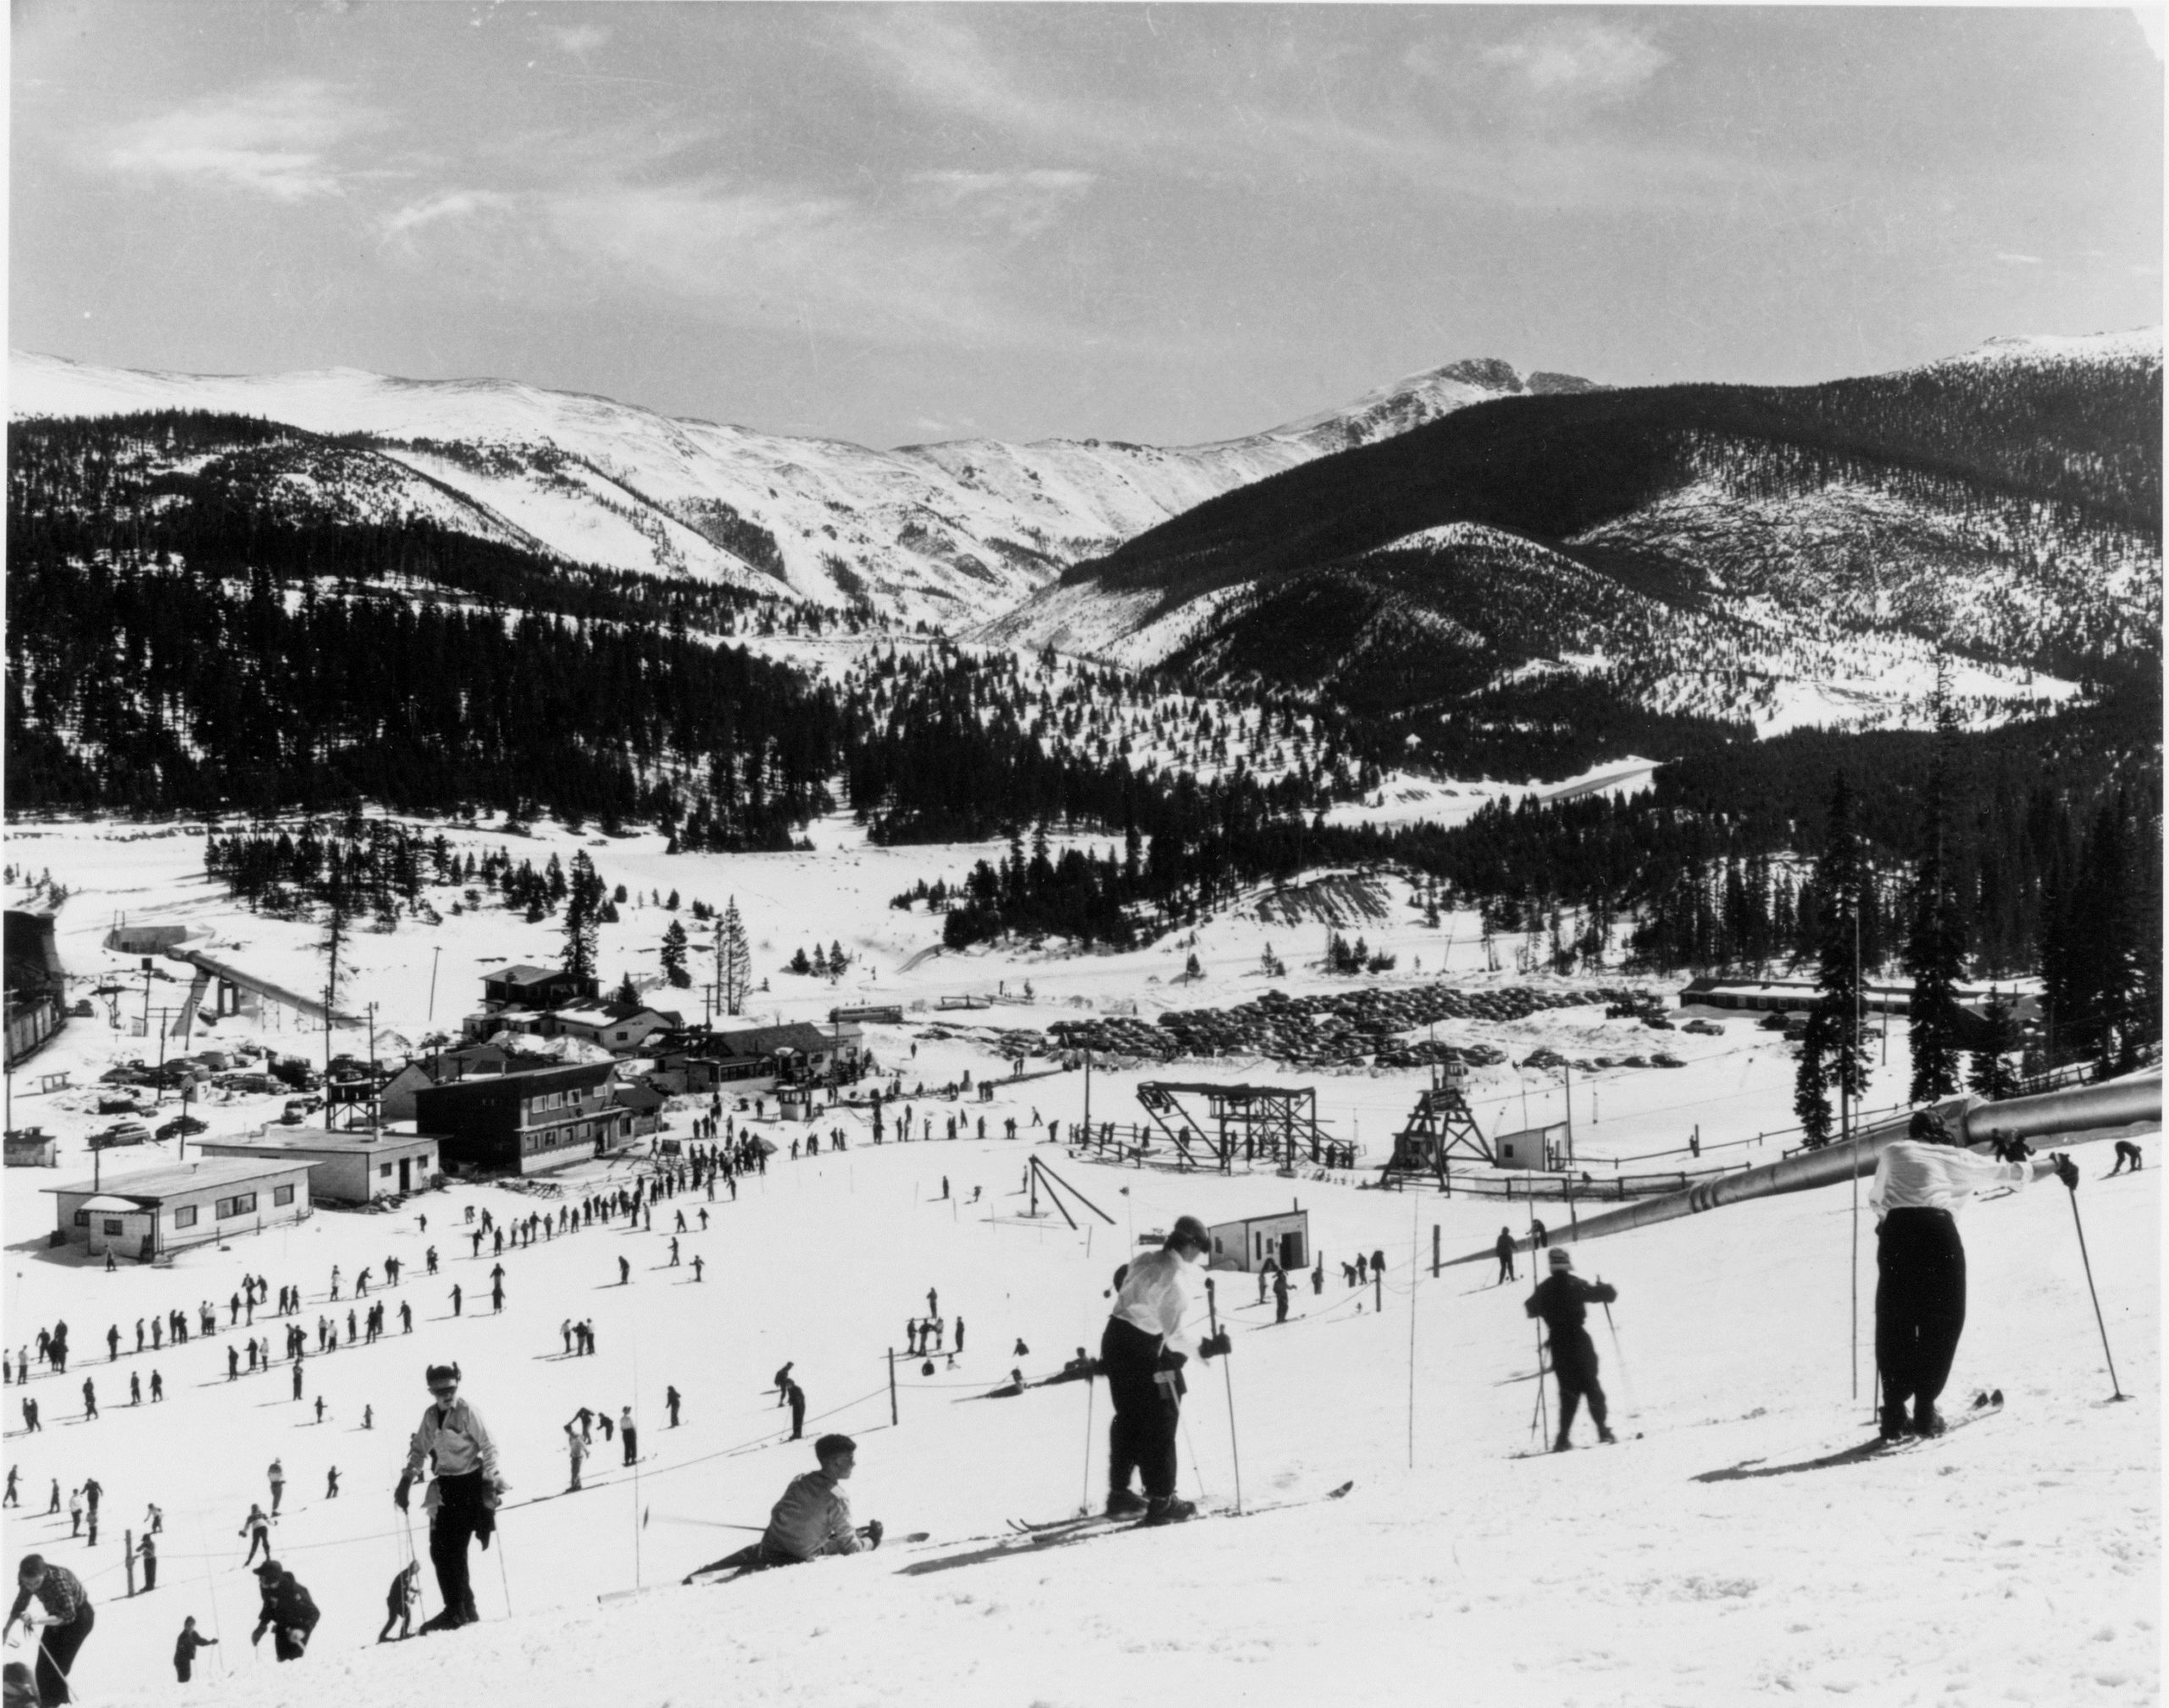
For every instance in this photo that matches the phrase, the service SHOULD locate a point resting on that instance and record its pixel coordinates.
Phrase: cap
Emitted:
(269, 1568)
(1189, 1231)
(440, 1372)
(1562, 1258)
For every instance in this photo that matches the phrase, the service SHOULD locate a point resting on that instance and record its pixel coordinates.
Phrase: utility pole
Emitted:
(1568, 1068)
(373, 1107)
(435, 955)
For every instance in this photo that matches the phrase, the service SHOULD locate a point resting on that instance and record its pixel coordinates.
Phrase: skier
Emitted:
(1921, 1182)
(1279, 1295)
(624, 1273)
(670, 1399)
(399, 1601)
(331, 1486)
(154, 1515)
(158, 1388)
(625, 1428)
(286, 1612)
(464, 1495)
(90, 1400)
(576, 1446)
(699, 1264)
(185, 1647)
(1139, 1352)
(783, 1384)
(2126, 1152)
(257, 1527)
(147, 1551)
(1562, 1300)
(11, 1499)
(66, 1615)
(75, 1512)
(797, 1398)
(814, 1517)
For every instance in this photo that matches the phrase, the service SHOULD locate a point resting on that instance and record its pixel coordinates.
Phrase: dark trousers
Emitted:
(183, 1669)
(461, 1517)
(150, 1571)
(1574, 1360)
(56, 1655)
(258, 1537)
(1505, 1267)
(1920, 1305)
(1146, 1411)
(632, 1445)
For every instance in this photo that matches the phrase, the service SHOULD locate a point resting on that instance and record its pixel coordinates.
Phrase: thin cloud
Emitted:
(274, 140)
(1024, 203)
(2010, 259)
(404, 222)
(579, 39)
(1593, 60)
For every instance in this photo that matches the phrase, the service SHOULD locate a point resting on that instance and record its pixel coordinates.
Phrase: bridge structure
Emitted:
(1238, 1124)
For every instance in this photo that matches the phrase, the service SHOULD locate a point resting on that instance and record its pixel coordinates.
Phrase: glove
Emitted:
(874, 1533)
(2067, 1170)
(1214, 1346)
(399, 1495)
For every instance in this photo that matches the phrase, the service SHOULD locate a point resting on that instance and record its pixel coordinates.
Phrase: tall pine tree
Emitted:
(733, 959)
(1935, 947)
(1832, 1053)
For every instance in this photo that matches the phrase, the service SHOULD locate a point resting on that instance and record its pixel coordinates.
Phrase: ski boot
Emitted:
(1168, 1510)
(1125, 1503)
(1605, 1435)
(1562, 1444)
(1893, 1425)
(1927, 1421)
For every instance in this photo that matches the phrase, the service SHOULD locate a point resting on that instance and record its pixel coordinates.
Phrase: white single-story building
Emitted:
(343, 1167)
(158, 1210)
(1253, 1242)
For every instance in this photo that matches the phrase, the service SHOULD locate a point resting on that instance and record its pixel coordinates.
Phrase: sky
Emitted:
(1161, 223)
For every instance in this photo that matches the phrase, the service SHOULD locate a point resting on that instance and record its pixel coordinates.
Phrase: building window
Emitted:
(282, 1195)
(112, 1227)
(240, 1204)
(384, 1169)
(185, 1217)
(82, 1218)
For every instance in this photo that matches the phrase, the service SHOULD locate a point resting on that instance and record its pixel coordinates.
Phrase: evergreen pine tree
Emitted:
(584, 906)
(1832, 1053)
(735, 957)
(1935, 948)
(673, 956)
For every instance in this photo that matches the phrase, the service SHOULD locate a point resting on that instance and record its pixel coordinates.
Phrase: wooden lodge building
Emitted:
(526, 1123)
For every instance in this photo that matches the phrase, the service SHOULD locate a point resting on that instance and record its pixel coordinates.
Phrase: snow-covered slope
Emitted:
(1706, 1562)
(941, 533)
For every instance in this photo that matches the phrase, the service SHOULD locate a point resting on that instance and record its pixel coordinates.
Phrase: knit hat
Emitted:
(269, 1568)
(1189, 1231)
(1562, 1258)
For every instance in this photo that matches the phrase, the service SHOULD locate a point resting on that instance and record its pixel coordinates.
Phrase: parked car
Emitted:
(121, 1132)
(182, 1127)
(117, 1103)
(1704, 1028)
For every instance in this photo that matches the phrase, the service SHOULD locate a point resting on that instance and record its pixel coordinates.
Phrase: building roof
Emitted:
(767, 1040)
(527, 1078)
(318, 1142)
(524, 974)
(1244, 1222)
(176, 1180)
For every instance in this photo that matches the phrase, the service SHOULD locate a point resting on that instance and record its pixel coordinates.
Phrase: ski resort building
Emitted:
(619, 1027)
(343, 1167)
(1256, 1240)
(526, 1124)
(753, 1059)
(146, 1215)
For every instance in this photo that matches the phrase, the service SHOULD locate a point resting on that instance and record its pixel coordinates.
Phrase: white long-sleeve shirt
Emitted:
(457, 1436)
(1154, 1298)
(1910, 1175)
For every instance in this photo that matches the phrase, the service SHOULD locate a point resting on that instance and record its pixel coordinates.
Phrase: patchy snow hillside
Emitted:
(936, 533)
(1760, 573)
(1706, 1561)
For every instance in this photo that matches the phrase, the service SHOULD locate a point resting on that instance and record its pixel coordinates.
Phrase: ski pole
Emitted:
(1213, 1317)
(1084, 1488)
(2115, 1387)
(1540, 1415)
(1625, 1382)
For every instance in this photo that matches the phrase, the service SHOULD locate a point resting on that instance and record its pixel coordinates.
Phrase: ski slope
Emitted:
(2018, 1561)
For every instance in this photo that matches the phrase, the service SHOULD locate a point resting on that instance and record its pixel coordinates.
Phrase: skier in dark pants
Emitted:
(1504, 1248)
(65, 1619)
(467, 1487)
(1921, 1182)
(1562, 1300)
(1279, 1295)
(1144, 1372)
(2128, 1152)
(287, 1612)
(185, 1647)
(797, 1398)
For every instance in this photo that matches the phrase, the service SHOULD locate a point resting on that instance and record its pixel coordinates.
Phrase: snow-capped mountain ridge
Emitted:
(936, 533)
